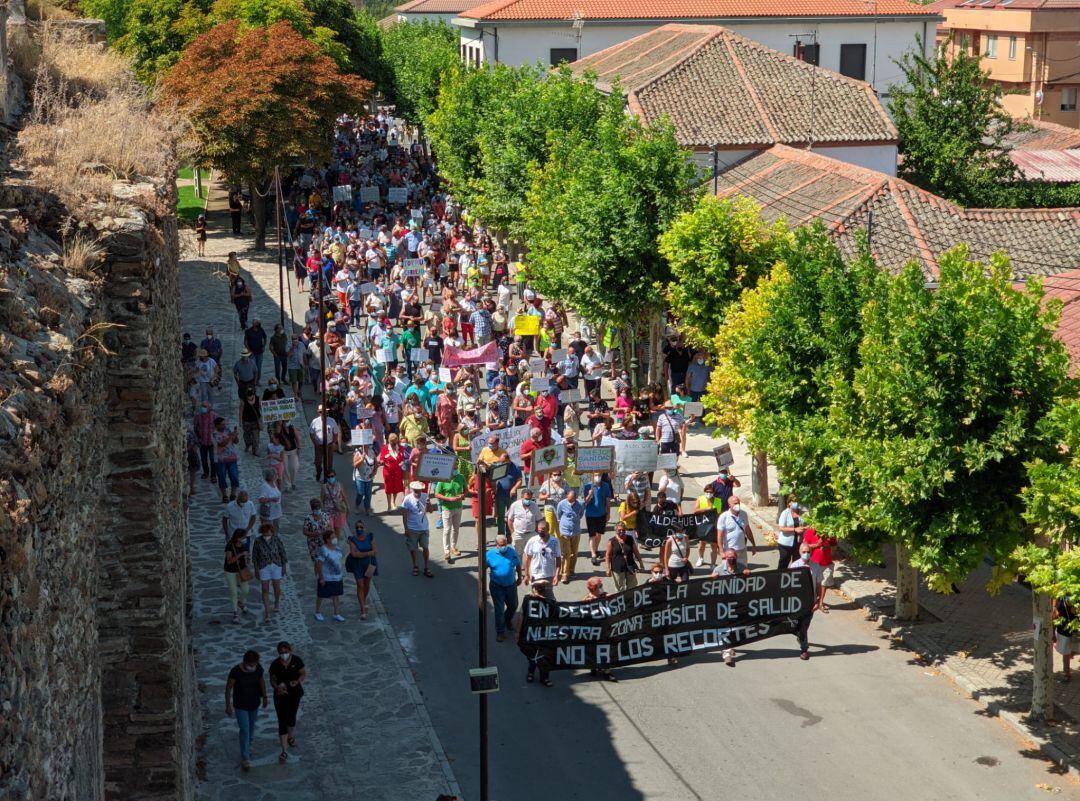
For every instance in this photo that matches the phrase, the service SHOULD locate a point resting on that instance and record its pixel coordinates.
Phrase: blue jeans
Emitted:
(245, 721)
(505, 601)
(230, 470)
(258, 364)
(363, 495)
(281, 368)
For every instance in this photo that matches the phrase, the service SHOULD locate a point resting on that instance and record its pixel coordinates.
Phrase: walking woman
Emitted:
(271, 564)
(241, 299)
(287, 676)
(288, 438)
(334, 502)
(362, 563)
(237, 571)
(251, 420)
(675, 556)
(200, 234)
(363, 478)
(329, 574)
(391, 459)
(244, 690)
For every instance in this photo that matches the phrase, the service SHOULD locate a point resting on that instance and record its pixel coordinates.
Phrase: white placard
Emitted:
(419, 354)
(549, 459)
(542, 384)
(353, 341)
(368, 287)
(607, 357)
(363, 233)
(558, 355)
(667, 461)
(416, 214)
(413, 268)
(597, 459)
(694, 409)
(343, 193)
(537, 366)
(369, 194)
(382, 357)
(278, 409)
(634, 455)
(364, 414)
(436, 466)
(436, 306)
(446, 375)
(397, 194)
(570, 395)
(361, 436)
(510, 440)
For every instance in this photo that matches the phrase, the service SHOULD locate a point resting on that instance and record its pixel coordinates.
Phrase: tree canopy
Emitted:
(418, 55)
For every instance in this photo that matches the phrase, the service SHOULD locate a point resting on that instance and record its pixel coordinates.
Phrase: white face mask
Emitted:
(285, 657)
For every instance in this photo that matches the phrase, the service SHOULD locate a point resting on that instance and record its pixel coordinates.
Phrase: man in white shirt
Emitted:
(790, 533)
(543, 560)
(239, 513)
(414, 509)
(733, 530)
(324, 450)
(815, 575)
(392, 403)
(522, 518)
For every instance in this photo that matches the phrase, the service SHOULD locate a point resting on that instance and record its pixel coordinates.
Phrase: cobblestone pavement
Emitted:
(363, 731)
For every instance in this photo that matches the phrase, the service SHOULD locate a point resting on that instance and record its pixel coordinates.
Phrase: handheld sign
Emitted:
(343, 193)
(597, 459)
(436, 466)
(667, 461)
(416, 214)
(278, 409)
(413, 268)
(353, 341)
(446, 375)
(632, 456)
(569, 396)
(694, 409)
(367, 288)
(724, 456)
(537, 366)
(526, 325)
(398, 195)
(418, 354)
(541, 384)
(369, 194)
(549, 459)
(361, 436)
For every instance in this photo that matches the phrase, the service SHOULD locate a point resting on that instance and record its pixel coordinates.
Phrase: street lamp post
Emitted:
(481, 600)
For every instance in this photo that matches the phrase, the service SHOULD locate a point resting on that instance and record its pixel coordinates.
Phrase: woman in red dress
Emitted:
(391, 458)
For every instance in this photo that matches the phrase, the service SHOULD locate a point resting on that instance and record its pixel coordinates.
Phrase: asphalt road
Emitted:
(860, 720)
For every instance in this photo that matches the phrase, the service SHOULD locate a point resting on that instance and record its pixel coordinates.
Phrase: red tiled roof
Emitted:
(1026, 5)
(908, 222)
(437, 6)
(1031, 134)
(691, 9)
(721, 89)
(1051, 166)
(1066, 288)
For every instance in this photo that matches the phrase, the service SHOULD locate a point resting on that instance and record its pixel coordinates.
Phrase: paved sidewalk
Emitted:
(982, 643)
(363, 731)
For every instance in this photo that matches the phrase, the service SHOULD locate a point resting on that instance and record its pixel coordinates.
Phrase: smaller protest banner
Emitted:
(436, 466)
(694, 409)
(343, 193)
(369, 194)
(446, 375)
(549, 459)
(526, 325)
(455, 357)
(540, 384)
(510, 440)
(413, 268)
(724, 456)
(397, 194)
(597, 459)
(278, 409)
(658, 525)
(368, 287)
(361, 436)
(667, 461)
(537, 366)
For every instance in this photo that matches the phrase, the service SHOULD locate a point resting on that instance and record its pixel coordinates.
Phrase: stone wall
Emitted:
(96, 671)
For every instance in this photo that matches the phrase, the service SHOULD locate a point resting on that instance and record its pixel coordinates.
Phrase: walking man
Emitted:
(542, 562)
(414, 509)
(505, 570)
(451, 494)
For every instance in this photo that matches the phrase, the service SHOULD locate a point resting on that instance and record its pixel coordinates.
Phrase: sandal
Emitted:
(283, 756)
(530, 678)
(292, 741)
(428, 573)
(415, 570)
(548, 683)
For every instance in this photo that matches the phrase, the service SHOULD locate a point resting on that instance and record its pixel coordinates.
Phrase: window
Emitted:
(561, 54)
(810, 53)
(991, 46)
(965, 43)
(853, 60)
(1012, 48)
(1068, 98)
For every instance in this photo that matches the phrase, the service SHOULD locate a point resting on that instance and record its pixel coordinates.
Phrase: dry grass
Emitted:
(86, 67)
(82, 255)
(44, 10)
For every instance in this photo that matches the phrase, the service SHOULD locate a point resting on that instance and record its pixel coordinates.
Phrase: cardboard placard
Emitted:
(419, 354)
(343, 193)
(599, 459)
(368, 287)
(363, 233)
(694, 409)
(446, 375)
(436, 306)
(436, 466)
(416, 214)
(570, 396)
(634, 455)
(526, 325)
(541, 384)
(278, 409)
(549, 459)
(361, 436)
(667, 461)
(398, 195)
(413, 268)
(558, 355)
(724, 456)
(353, 341)
(537, 366)
(364, 414)
(382, 357)
(369, 194)
(510, 440)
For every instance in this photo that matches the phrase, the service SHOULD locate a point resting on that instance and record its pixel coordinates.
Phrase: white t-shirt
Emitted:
(592, 365)
(786, 538)
(732, 529)
(544, 556)
(269, 502)
(239, 514)
(680, 552)
(317, 429)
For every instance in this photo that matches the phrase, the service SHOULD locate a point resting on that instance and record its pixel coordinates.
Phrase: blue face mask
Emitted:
(331, 480)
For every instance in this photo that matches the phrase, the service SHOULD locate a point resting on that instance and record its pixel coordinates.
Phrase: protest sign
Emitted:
(278, 409)
(595, 460)
(436, 306)
(667, 461)
(541, 384)
(455, 357)
(537, 366)
(510, 440)
(369, 194)
(413, 268)
(570, 395)
(549, 459)
(664, 620)
(362, 413)
(634, 455)
(446, 375)
(436, 466)
(700, 525)
(397, 194)
(416, 214)
(361, 436)
(363, 233)
(368, 287)
(693, 409)
(382, 356)
(558, 355)
(343, 193)
(419, 354)
(353, 341)
(526, 325)
(723, 455)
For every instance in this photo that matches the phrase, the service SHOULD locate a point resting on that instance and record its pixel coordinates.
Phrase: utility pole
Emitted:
(322, 369)
(812, 116)
(280, 256)
(481, 600)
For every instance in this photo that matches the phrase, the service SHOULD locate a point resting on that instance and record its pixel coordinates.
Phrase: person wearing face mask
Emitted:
(334, 502)
(522, 518)
(245, 689)
(697, 376)
(791, 529)
(733, 530)
(204, 433)
(730, 565)
(543, 561)
(329, 575)
(287, 677)
(675, 556)
(597, 496)
(414, 511)
(504, 568)
(806, 561)
(362, 564)
(568, 514)
(271, 563)
(622, 559)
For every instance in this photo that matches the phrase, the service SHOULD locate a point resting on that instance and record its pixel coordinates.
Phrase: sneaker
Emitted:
(700, 561)
(319, 616)
(804, 656)
(450, 559)
(339, 618)
(730, 661)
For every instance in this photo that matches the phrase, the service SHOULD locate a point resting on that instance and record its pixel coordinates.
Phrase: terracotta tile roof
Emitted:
(908, 222)
(722, 89)
(982, 5)
(437, 6)
(690, 9)
(1033, 134)
(1051, 166)
(388, 22)
(1066, 288)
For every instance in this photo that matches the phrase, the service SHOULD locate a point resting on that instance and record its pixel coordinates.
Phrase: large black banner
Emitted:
(665, 619)
(698, 525)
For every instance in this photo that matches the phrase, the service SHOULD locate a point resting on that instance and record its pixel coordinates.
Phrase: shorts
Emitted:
(329, 589)
(416, 540)
(827, 576)
(595, 525)
(296, 375)
(270, 573)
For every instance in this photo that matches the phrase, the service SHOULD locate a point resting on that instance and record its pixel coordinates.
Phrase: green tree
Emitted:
(418, 55)
(951, 127)
(595, 211)
(259, 98)
(715, 251)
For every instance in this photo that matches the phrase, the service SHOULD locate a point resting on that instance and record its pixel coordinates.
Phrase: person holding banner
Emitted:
(675, 556)
(622, 558)
(733, 530)
(730, 565)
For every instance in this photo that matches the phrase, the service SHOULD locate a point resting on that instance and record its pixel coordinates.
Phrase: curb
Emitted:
(1069, 762)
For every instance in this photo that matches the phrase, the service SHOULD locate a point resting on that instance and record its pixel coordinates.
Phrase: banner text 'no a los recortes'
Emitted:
(665, 619)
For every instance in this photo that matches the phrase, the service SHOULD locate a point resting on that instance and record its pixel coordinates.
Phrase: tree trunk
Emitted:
(1042, 679)
(759, 480)
(258, 213)
(907, 586)
(656, 338)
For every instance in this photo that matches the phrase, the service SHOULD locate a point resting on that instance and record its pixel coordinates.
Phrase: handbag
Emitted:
(245, 573)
